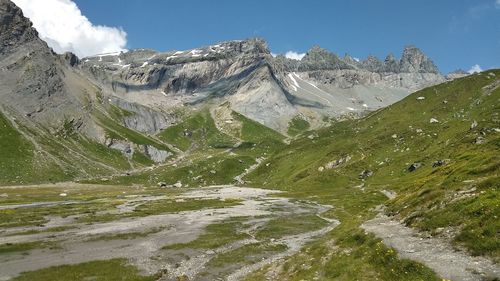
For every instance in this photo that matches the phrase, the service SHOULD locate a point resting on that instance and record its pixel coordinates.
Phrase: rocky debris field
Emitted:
(170, 243)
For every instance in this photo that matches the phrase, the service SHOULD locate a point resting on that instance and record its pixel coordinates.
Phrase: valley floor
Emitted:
(246, 228)
(217, 232)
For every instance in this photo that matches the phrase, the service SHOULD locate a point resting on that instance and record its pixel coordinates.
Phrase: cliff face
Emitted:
(270, 90)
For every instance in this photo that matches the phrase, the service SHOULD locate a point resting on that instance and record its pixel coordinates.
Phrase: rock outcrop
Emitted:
(459, 73)
(33, 80)
(15, 29)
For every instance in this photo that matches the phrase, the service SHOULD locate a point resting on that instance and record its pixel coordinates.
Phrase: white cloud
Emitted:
(475, 69)
(294, 55)
(61, 24)
(497, 4)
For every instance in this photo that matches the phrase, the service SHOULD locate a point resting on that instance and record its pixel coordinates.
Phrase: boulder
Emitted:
(155, 154)
(473, 125)
(479, 140)
(71, 59)
(413, 167)
(338, 162)
(188, 133)
(365, 174)
(439, 163)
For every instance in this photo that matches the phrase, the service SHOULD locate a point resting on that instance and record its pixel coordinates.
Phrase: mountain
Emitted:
(33, 77)
(269, 90)
(388, 169)
(123, 111)
(57, 113)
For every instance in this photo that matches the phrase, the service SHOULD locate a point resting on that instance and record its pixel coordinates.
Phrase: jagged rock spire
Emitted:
(414, 60)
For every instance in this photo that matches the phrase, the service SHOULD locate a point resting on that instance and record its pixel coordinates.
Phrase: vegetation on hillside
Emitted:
(197, 132)
(449, 131)
(436, 151)
(16, 152)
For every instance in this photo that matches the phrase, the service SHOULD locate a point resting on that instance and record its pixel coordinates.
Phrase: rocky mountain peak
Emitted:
(318, 53)
(36, 79)
(391, 64)
(349, 59)
(372, 63)
(390, 58)
(319, 58)
(15, 29)
(70, 58)
(414, 60)
(372, 59)
(459, 73)
(255, 45)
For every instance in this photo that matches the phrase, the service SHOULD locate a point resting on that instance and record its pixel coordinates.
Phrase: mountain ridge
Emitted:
(197, 75)
(124, 101)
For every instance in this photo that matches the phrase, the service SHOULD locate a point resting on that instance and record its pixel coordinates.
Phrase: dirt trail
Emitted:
(239, 178)
(436, 253)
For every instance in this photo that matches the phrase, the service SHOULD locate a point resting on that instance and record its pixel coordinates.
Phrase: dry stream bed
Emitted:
(220, 232)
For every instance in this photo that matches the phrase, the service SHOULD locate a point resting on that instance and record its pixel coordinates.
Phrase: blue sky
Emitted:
(454, 33)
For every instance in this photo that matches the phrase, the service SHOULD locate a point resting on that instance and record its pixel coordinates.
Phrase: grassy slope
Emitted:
(66, 153)
(212, 159)
(202, 133)
(20, 163)
(463, 194)
(16, 152)
(70, 157)
(297, 126)
(74, 156)
(255, 132)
